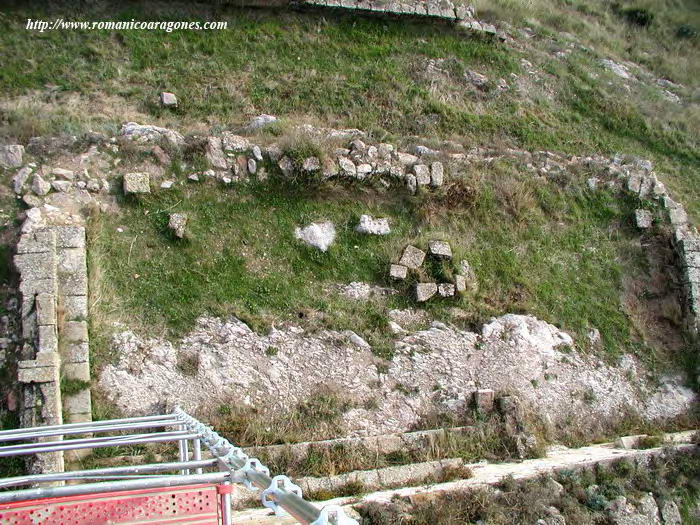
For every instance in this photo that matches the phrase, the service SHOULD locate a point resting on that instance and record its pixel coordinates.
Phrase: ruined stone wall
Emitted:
(53, 287)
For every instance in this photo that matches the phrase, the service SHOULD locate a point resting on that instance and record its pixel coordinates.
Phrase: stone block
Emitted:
(460, 283)
(425, 291)
(692, 275)
(11, 156)
(70, 237)
(75, 353)
(79, 403)
(446, 289)
(75, 332)
(46, 309)
(79, 371)
(32, 266)
(440, 249)
(398, 271)
(692, 259)
(484, 400)
(49, 359)
(643, 218)
(43, 374)
(71, 260)
(437, 174)
(690, 243)
(48, 339)
(168, 100)
(137, 182)
(74, 283)
(412, 257)
(629, 442)
(422, 174)
(677, 215)
(75, 307)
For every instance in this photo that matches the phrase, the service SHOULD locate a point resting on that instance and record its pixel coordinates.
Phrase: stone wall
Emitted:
(53, 288)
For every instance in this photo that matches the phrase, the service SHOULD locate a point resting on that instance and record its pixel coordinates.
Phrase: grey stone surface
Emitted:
(398, 271)
(20, 179)
(46, 309)
(440, 249)
(372, 226)
(79, 403)
(70, 236)
(64, 186)
(71, 260)
(44, 374)
(412, 257)
(138, 182)
(75, 332)
(260, 122)
(670, 513)
(425, 291)
(11, 156)
(347, 167)
(40, 186)
(75, 353)
(446, 289)
(148, 133)
(422, 173)
(177, 223)
(63, 174)
(411, 183)
(484, 399)
(252, 166)
(311, 164)
(234, 143)
(215, 154)
(320, 235)
(79, 370)
(286, 166)
(437, 174)
(460, 283)
(643, 218)
(74, 284)
(75, 307)
(168, 100)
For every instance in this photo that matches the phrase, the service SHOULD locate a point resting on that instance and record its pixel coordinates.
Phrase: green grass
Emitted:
(553, 250)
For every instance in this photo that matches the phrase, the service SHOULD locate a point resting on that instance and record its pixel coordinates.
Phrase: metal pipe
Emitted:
(197, 453)
(70, 445)
(226, 505)
(113, 486)
(84, 474)
(96, 430)
(66, 426)
(24, 446)
(182, 449)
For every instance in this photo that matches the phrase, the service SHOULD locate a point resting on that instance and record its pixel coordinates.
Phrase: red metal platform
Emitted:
(190, 505)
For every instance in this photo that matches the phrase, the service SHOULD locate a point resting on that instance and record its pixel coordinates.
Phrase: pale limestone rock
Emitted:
(177, 223)
(372, 226)
(425, 291)
(137, 182)
(11, 156)
(320, 235)
(412, 257)
(168, 100)
(398, 271)
(440, 249)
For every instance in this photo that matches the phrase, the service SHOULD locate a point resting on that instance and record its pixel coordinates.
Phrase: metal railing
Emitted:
(230, 464)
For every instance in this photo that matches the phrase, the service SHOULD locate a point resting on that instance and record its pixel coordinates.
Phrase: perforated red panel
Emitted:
(192, 505)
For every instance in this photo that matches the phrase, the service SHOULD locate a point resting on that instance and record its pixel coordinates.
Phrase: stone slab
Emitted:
(70, 236)
(43, 374)
(79, 371)
(75, 353)
(75, 332)
(74, 284)
(46, 309)
(79, 403)
(75, 307)
(71, 260)
(43, 359)
(48, 339)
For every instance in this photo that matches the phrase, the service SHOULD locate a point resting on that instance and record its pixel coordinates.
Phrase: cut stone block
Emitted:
(46, 309)
(629, 442)
(412, 257)
(440, 249)
(75, 332)
(398, 271)
(80, 370)
(425, 291)
(177, 223)
(446, 289)
(643, 219)
(437, 174)
(422, 174)
(48, 340)
(33, 267)
(29, 287)
(484, 400)
(49, 359)
(460, 283)
(43, 374)
(71, 260)
(75, 307)
(138, 182)
(79, 403)
(74, 284)
(168, 100)
(75, 353)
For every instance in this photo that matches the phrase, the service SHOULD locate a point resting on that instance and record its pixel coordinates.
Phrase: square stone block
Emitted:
(73, 283)
(49, 359)
(35, 266)
(75, 307)
(31, 287)
(70, 236)
(46, 309)
(48, 339)
(42, 374)
(75, 332)
(75, 353)
(79, 403)
(71, 260)
(137, 183)
(79, 371)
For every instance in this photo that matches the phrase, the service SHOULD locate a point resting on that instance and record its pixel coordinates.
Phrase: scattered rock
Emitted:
(411, 183)
(260, 122)
(63, 186)
(643, 219)
(422, 173)
(423, 150)
(193, 177)
(11, 156)
(670, 513)
(629, 442)
(592, 183)
(177, 223)
(620, 70)
(234, 143)
(440, 249)
(412, 258)
(356, 339)
(437, 174)
(147, 133)
(425, 291)
(398, 271)
(477, 79)
(137, 182)
(593, 336)
(60, 173)
(363, 170)
(19, 181)
(40, 186)
(257, 153)
(347, 167)
(286, 166)
(168, 100)
(167, 184)
(460, 283)
(446, 289)
(373, 226)
(215, 154)
(311, 164)
(252, 166)
(406, 159)
(320, 235)
(161, 156)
